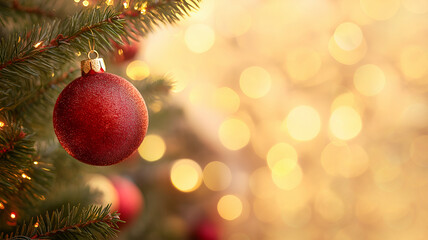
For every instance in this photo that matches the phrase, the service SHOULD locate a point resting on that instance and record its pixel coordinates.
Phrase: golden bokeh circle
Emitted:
(369, 80)
(186, 175)
(303, 123)
(217, 176)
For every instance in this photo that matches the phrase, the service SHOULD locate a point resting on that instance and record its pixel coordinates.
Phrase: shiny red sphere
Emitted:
(130, 198)
(100, 119)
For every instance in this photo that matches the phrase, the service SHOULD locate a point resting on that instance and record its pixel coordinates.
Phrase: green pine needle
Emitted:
(75, 222)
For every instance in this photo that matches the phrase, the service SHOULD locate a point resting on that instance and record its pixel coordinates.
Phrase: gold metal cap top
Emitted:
(92, 66)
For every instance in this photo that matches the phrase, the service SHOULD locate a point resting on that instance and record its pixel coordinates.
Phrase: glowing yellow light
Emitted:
(229, 207)
(120, 52)
(217, 176)
(186, 175)
(303, 123)
(339, 159)
(347, 99)
(25, 176)
(38, 44)
(35, 162)
(416, 6)
(152, 148)
(125, 5)
(137, 70)
(226, 100)
(255, 82)
(1, 206)
(13, 215)
(261, 183)
(36, 225)
(347, 57)
(234, 134)
(369, 79)
(348, 36)
(302, 63)
(345, 123)
(78, 54)
(156, 106)
(279, 152)
(109, 2)
(199, 38)
(77, 1)
(413, 61)
(1, 124)
(286, 174)
(380, 9)
(85, 3)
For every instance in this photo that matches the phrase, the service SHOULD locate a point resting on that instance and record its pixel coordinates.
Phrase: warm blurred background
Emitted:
(303, 119)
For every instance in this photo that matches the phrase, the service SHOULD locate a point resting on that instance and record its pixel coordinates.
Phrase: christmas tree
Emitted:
(44, 192)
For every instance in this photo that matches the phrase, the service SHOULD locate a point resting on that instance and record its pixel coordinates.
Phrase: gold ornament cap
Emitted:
(92, 65)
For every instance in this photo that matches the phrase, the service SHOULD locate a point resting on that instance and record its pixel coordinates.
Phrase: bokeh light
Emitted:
(279, 152)
(217, 176)
(255, 82)
(226, 100)
(152, 148)
(303, 123)
(261, 183)
(339, 159)
(234, 21)
(380, 9)
(345, 123)
(326, 103)
(416, 6)
(234, 134)
(413, 61)
(369, 79)
(286, 174)
(302, 64)
(347, 57)
(348, 36)
(186, 175)
(137, 70)
(229, 207)
(199, 38)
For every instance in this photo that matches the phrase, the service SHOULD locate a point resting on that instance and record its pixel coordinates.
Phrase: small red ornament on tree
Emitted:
(126, 51)
(130, 198)
(100, 118)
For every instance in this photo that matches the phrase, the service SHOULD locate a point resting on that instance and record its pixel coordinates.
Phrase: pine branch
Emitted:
(24, 178)
(70, 223)
(24, 59)
(153, 88)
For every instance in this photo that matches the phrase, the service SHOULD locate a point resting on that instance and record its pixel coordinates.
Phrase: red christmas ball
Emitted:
(130, 198)
(100, 119)
(205, 230)
(126, 51)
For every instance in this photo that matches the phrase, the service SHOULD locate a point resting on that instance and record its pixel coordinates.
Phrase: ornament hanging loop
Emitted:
(90, 53)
